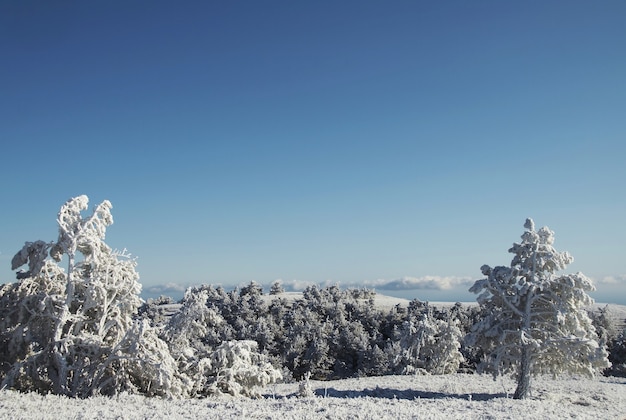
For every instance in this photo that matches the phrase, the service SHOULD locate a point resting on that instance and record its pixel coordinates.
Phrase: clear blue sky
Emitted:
(321, 141)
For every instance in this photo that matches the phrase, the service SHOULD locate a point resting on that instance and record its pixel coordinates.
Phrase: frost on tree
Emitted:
(72, 332)
(239, 369)
(429, 345)
(534, 320)
(210, 366)
(189, 334)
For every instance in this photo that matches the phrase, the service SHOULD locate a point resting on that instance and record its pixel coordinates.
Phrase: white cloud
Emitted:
(300, 285)
(613, 280)
(419, 283)
(166, 288)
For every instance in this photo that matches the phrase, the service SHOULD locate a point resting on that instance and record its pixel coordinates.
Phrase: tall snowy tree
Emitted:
(72, 332)
(534, 320)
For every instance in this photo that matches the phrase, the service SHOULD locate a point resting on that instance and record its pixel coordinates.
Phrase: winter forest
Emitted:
(73, 325)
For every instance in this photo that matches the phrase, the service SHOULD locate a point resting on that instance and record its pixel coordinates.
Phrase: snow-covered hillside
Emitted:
(436, 397)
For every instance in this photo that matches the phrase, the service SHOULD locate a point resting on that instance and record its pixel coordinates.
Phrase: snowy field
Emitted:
(391, 397)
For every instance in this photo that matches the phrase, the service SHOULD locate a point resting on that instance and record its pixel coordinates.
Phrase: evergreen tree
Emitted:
(429, 344)
(534, 320)
(277, 288)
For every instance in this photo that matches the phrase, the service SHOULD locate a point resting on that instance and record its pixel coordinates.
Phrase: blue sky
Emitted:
(350, 142)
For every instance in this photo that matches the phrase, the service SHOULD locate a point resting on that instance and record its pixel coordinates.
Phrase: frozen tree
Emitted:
(441, 349)
(305, 389)
(157, 311)
(194, 327)
(209, 365)
(252, 289)
(142, 363)
(534, 320)
(190, 334)
(617, 354)
(71, 332)
(429, 345)
(277, 288)
(239, 369)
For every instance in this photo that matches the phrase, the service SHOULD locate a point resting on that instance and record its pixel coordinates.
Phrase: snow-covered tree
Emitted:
(71, 332)
(534, 320)
(194, 327)
(157, 311)
(209, 365)
(277, 288)
(190, 335)
(239, 369)
(617, 355)
(429, 345)
(141, 363)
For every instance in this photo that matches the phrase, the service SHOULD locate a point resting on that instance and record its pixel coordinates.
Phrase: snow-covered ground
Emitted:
(456, 396)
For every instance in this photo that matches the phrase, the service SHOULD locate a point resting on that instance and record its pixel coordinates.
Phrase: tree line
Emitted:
(73, 324)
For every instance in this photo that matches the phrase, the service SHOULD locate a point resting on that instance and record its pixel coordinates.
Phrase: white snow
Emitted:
(458, 396)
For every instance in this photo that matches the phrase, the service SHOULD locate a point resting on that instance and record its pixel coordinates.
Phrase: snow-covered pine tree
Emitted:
(429, 345)
(277, 288)
(71, 333)
(534, 320)
(617, 355)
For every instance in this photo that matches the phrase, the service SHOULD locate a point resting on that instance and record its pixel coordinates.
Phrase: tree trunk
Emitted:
(523, 380)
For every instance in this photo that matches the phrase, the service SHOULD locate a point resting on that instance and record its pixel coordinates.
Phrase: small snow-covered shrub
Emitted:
(239, 369)
(141, 363)
(305, 390)
(429, 345)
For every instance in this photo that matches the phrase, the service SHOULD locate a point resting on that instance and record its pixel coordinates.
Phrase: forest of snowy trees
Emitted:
(73, 324)
(327, 334)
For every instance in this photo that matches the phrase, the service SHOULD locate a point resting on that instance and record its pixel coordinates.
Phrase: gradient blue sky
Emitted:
(355, 142)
